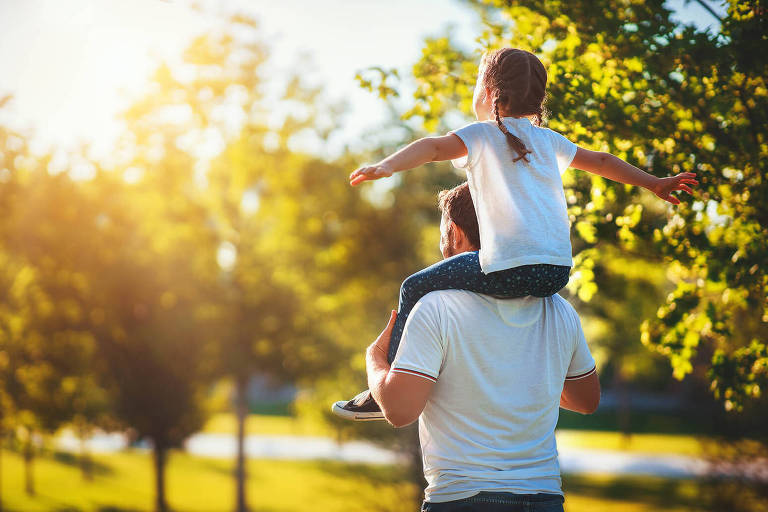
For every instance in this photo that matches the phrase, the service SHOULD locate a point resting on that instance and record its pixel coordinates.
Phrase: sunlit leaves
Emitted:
(379, 80)
(582, 281)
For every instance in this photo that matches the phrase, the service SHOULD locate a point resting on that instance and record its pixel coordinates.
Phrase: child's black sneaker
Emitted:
(361, 408)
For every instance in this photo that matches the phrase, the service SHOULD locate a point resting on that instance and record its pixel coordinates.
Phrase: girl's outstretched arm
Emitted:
(616, 169)
(428, 149)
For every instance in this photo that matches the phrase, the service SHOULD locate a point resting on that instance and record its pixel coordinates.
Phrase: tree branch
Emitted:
(709, 9)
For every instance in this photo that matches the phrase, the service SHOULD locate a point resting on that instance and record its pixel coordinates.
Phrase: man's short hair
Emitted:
(456, 204)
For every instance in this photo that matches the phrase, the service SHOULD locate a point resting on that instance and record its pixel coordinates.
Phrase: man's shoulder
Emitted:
(563, 305)
(443, 298)
(458, 296)
(451, 299)
(560, 302)
(434, 301)
(445, 301)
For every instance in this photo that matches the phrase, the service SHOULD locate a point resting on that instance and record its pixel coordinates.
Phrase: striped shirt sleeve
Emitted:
(582, 375)
(582, 363)
(421, 348)
(416, 373)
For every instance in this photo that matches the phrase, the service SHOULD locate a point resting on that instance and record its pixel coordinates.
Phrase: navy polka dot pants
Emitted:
(462, 272)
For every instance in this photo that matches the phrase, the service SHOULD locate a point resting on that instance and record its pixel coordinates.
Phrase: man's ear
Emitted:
(457, 236)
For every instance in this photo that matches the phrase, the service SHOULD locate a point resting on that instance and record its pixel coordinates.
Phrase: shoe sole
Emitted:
(339, 410)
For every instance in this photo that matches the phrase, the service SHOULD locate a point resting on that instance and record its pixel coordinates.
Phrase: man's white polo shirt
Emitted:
(499, 368)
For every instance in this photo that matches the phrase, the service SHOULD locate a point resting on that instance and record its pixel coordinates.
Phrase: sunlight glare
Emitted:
(226, 256)
(250, 202)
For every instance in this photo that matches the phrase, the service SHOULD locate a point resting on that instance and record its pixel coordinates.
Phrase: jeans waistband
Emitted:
(509, 498)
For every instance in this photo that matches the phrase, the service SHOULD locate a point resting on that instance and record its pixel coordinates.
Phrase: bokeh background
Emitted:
(188, 281)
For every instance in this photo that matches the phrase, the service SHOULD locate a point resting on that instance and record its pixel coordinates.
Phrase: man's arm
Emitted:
(614, 168)
(581, 395)
(401, 396)
(422, 151)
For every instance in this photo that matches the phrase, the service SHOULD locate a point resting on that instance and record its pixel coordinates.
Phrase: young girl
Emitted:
(513, 168)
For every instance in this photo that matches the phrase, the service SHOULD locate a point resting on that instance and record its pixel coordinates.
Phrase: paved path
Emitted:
(572, 460)
(580, 460)
(291, 447)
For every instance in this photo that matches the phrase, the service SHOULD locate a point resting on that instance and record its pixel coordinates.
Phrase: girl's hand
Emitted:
(665, 186)
(372, 172)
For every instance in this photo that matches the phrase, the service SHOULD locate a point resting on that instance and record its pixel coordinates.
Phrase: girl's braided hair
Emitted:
(517, 81)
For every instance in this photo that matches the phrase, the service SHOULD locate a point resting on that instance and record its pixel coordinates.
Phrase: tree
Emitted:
(46, 348)
(260, 304)
(152, 320)
(720, 305)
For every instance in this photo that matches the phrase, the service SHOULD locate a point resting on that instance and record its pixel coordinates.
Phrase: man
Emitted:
(485, 378)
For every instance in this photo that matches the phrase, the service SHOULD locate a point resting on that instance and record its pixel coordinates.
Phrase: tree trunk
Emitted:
(160, 453)
(29, 482)
(623, 406)
(86, 465)
(241, 406)
(2, 442)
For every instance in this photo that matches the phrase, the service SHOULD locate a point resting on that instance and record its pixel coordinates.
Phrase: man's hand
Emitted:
(380, 348)
(369, 173)
(665, 186)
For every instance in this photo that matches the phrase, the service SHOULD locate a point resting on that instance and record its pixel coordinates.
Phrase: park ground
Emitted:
(122, 481)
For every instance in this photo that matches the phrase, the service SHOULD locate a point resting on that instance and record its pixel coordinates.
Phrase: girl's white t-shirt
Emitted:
(521, 209)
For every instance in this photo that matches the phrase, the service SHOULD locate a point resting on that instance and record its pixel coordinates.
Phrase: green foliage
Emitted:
(742, 375)
(211, 248)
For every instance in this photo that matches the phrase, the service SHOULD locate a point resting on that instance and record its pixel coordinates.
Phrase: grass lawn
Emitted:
(123, 482)
(631, 494)
(666, 444)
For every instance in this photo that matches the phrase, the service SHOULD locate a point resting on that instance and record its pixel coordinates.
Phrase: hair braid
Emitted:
(513, 140)
(517, 80)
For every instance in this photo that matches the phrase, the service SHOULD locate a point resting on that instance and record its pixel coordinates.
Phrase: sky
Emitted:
(72, 65)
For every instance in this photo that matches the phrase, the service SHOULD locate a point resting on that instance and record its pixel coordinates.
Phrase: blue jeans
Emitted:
(462, 272)
(499, 502)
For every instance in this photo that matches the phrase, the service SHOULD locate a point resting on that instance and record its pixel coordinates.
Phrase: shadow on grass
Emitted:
(659, 493)
(641, 422)
(379, 474)
(73, 460)
(218, 465)
(53, 509)
(51, 504)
